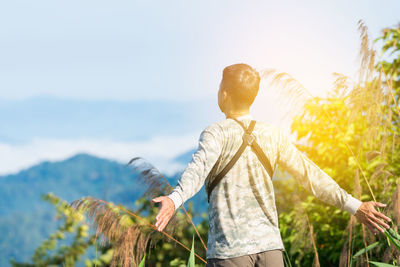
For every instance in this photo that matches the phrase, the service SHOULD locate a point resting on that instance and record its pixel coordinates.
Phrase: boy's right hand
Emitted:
(165, 213)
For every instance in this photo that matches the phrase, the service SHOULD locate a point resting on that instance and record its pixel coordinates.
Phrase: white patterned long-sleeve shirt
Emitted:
(242, 213)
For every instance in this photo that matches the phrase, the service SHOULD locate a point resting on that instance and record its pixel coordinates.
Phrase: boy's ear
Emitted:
(224, 94)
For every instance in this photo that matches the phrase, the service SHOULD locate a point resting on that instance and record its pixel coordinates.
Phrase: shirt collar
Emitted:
(246, 116)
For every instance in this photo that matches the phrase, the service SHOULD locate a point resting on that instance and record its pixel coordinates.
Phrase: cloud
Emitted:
(159, 150)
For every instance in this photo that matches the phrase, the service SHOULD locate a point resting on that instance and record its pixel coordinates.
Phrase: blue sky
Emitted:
(62, 61)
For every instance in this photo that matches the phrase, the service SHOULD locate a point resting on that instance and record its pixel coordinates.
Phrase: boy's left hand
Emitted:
(165, 213)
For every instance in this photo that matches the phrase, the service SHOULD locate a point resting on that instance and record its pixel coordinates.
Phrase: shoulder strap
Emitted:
(248, 139)
(232, 162)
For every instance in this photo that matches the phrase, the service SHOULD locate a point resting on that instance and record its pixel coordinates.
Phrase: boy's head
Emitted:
(238, 88)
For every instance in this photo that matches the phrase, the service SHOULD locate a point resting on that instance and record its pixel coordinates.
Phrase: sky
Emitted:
(125, 78)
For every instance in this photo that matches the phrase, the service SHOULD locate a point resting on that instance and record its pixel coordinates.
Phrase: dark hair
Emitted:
(241, 82)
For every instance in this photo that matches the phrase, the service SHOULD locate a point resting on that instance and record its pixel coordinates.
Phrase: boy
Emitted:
(243, 221)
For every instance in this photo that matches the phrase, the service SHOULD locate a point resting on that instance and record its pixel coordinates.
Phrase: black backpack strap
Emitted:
(235, 158)
(248, 139)
(263, 158)
(259, 152)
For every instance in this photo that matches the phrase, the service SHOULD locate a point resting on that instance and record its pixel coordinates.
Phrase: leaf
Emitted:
(380, 264)
(287, 259)
(141, 264)
(191, 257)
(394, 234)
(393, 238)
(362, 251)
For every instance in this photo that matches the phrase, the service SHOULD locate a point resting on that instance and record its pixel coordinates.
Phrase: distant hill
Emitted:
(26, 220)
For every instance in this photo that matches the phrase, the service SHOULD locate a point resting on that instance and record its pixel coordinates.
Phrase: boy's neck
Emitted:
(236, 114)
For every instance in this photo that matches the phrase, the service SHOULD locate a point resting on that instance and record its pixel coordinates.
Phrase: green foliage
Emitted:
(328, 130)
(393, 237)
(50, 252)
(381, 264)
(325, 146)
(391, 48)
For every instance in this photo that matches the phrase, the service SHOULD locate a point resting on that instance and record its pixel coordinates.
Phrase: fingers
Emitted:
(379, 204)
(381, 215)
(162, 222)
(160, 218)
(159, 223)
(378, 216)
(163, 211)
(376, 227)
(164, 214)
(157, 199)
(366, 221)
(376, 220)
(371, 228)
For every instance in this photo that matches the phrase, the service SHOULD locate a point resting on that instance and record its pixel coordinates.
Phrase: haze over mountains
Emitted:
(53, 117)
(51, 128)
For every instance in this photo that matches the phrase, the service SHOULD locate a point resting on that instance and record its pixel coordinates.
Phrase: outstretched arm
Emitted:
(192, 179)
(323, 187)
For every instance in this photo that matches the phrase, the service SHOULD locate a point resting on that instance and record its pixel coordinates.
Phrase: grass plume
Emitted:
(130, 233)
(152, 176)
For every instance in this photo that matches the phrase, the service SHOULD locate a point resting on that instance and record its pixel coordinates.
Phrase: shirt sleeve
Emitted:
(193, 177)
(311, 177)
